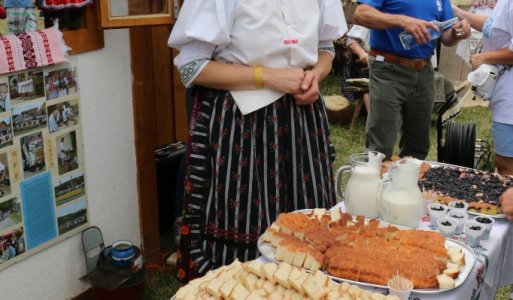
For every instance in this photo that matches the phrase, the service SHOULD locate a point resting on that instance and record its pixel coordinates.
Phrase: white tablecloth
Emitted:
(493, 268)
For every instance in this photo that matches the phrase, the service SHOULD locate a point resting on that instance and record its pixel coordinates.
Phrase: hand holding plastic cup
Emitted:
(487, 222)
(400, 287)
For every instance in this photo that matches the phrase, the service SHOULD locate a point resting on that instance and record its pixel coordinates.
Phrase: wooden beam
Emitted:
(145, 131)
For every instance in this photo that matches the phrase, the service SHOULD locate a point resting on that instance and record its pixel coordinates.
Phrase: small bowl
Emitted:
(436, 211)
(447, 226)
(459, 216)
(122, 250)
(458, 205)
(473, 233)
(487, 222)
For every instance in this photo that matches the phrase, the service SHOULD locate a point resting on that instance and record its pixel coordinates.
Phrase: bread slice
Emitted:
(282, 274)
(268, 271)
(299, 257)
(335, 215)
(445, 282)
(297, 278)
(315, 286)
(255, 268)
(453, 272)
(457, 258)
(227, 287)
(269, 286)
(254, 296)
(249, 281)
(239, 292)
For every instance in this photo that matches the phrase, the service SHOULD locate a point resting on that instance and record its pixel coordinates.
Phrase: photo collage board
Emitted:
(42, 179)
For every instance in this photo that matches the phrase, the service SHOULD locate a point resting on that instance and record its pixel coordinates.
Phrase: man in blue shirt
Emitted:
(402, 81)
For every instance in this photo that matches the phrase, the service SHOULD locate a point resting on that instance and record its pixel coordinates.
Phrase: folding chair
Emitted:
(92, 242)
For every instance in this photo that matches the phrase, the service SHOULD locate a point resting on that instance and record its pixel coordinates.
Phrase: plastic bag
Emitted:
(483, 80)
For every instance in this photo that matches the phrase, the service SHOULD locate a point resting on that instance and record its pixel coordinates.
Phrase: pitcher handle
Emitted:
(340, 173)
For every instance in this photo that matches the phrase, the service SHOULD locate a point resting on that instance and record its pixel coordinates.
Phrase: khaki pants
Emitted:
(401, 101)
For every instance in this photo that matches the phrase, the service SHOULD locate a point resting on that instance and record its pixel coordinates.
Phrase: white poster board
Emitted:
(42, 178)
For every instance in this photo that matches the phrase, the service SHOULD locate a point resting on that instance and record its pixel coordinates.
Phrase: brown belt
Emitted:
(418, 64)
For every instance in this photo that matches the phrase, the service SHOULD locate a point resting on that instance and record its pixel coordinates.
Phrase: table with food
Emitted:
(406, 229)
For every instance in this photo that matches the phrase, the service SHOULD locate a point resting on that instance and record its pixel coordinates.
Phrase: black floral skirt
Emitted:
(243, 170)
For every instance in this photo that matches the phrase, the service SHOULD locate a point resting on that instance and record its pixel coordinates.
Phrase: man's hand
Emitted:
(418, 28)
(507, 203)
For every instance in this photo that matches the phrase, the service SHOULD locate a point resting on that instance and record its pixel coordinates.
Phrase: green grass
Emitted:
(164, 285)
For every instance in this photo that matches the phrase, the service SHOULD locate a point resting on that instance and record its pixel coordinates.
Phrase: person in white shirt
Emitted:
(497, 31)
(53, 120)
(259, 131)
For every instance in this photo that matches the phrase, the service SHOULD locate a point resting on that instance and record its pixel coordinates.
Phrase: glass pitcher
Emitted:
(400, 200)
(360, 197)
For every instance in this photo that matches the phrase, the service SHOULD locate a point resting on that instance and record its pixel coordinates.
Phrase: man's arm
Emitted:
(370, 17)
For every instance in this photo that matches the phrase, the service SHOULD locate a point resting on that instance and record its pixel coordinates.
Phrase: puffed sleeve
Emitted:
(332, 22)
(202, 25)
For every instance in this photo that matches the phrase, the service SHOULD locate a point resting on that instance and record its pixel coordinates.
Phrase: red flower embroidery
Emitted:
(184, 230)
(181, 273)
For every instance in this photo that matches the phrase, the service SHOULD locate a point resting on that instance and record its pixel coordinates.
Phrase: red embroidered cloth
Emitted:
(64, 4)
(34, 49)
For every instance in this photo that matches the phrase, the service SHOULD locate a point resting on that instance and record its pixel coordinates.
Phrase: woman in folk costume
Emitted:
(259, 137)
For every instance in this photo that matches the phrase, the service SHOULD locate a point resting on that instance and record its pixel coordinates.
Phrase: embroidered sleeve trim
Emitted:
(328, 49)
(190, 70)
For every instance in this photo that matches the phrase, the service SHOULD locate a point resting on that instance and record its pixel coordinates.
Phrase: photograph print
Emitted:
(12, 244)
(67, 155)
(63, 115)
(5, 182)
(5, 101)
(5, 132)
(69, 188)
(33, 154)
(72, 216)
(26, 86)
(10, 213)
(60, 83)
(28, 116)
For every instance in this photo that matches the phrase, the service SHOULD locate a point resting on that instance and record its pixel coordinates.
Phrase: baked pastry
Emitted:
(481, 190)
(360, 250)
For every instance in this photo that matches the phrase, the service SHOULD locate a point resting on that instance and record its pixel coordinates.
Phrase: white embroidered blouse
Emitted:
(279, 33)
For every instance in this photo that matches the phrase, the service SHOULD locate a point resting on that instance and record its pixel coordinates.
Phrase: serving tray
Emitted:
(269, 252)
(439, 164)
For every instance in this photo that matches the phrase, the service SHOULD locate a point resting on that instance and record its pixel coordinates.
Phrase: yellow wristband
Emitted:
(259, 82)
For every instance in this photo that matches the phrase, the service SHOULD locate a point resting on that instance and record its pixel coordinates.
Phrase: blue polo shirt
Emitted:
(388, 39)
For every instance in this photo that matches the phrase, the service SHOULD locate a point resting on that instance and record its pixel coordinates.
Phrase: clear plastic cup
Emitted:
(487, 222)
(447, 226)
(436, 211)
(458, 205)
(402, 292)
(473, 233)
(459, 216)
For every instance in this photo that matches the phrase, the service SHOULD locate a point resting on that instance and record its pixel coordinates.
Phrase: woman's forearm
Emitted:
(475, 21)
